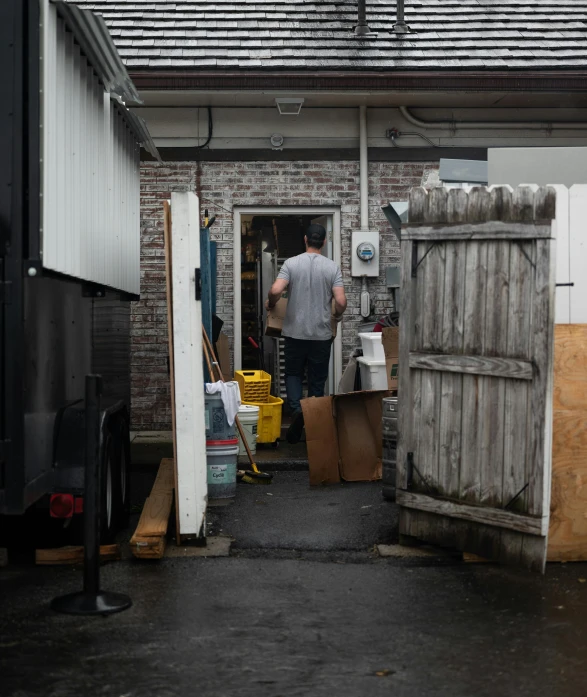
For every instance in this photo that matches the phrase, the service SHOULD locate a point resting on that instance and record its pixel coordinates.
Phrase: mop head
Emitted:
(250, 477)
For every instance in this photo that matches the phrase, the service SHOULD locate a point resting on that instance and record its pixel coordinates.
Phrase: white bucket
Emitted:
(248, 415)
(372, 346)
(373, 374)
(221, 459)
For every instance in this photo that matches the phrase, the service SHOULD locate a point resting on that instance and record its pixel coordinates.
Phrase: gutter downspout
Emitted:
(365, 303)
(363, 168)
(506, 125)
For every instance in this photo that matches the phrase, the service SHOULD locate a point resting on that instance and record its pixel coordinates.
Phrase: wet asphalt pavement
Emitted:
(300, 610)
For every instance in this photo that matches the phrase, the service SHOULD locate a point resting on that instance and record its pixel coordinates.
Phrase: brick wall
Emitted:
(228, 184)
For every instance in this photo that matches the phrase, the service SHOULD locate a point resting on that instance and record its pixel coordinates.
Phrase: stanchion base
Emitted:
(81, 603)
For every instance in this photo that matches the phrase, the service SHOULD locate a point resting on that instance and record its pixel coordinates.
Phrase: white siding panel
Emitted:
(91, 182)
(578, 253)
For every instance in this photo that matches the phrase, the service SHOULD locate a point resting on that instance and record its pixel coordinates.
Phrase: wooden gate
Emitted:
(476, 358)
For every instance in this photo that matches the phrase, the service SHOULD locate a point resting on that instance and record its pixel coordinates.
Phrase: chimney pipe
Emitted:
(400, 27)
(362, 28)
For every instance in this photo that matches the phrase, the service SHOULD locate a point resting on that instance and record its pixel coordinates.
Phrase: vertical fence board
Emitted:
(451, 384)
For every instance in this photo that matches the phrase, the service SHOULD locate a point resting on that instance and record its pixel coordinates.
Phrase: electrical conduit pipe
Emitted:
(506, 125)
(364, 198)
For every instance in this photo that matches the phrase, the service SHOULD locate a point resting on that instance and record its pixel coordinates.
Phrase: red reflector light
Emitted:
(61, 506)
(79, 505)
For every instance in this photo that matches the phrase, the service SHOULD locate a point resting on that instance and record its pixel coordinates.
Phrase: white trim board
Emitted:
(336, 256)
(190, 452)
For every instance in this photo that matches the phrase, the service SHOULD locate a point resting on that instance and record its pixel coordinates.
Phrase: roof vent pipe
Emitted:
(400, 27)
(362, 28)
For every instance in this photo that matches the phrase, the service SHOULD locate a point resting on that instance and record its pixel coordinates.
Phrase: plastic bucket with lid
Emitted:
(217, 427)
(221, 458)
(249, 417)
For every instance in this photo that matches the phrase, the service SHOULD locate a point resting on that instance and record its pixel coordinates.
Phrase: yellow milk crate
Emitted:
(255, 385)
(269, 426)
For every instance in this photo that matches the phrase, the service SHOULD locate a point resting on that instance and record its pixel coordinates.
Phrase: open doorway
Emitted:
(263, 239)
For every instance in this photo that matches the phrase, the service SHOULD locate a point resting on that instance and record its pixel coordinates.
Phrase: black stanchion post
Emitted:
(92, 601)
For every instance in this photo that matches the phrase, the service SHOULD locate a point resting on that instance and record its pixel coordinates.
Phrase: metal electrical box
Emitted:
(365, 253)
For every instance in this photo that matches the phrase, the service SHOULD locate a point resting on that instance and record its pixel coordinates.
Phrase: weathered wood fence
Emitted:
(475, 389)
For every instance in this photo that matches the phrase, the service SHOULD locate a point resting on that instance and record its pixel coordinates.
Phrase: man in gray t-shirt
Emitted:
(313, 281)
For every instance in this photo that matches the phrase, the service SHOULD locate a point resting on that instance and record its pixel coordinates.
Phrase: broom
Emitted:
(254, 475)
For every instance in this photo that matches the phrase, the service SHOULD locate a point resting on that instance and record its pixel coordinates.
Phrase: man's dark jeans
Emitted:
(298, 354)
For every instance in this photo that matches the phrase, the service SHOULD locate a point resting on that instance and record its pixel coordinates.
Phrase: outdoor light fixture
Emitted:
(289, 106)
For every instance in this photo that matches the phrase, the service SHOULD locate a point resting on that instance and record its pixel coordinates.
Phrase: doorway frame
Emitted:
(317, 211)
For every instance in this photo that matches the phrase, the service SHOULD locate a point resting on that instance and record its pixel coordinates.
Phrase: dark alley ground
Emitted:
(303, 606)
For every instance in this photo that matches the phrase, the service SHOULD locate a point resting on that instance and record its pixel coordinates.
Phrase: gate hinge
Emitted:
(6, 292)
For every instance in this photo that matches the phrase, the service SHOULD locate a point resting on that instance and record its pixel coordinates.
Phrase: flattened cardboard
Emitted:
(359, 418)
(276, 317)
(321, 440)
(390, 340)
(347, 381)
(223, 352)
(344, 437)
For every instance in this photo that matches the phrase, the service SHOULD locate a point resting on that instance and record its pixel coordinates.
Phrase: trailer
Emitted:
(70, 255)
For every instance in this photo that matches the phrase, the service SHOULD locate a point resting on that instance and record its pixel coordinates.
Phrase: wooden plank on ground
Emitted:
(148, 541)
(73, 555)
(168, 285)
(567, 540)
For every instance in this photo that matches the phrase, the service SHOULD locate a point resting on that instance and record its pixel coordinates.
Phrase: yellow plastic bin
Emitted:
(269, 426)
(254, 385)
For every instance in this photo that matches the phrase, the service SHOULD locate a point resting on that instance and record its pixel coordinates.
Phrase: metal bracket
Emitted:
(517, 496)
(411, 469)
(568, 285)
(198, 284)
(415, 263)
(532, 264)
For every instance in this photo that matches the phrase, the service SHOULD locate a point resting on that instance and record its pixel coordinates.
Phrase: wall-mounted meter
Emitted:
(365, 253)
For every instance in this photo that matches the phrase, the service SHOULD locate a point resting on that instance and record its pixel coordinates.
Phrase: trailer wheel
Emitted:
(107, 492)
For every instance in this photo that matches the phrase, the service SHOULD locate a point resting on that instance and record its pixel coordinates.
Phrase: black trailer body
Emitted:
(55, 328)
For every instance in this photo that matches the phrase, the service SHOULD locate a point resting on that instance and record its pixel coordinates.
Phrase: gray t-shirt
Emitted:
(311, 278)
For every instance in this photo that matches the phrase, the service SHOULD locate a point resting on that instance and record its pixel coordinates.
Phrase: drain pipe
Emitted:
(365, 300)
(506, 125)
(363, 168)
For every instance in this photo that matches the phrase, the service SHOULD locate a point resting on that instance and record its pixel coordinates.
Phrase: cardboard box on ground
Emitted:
(276, 317)
(344, 437)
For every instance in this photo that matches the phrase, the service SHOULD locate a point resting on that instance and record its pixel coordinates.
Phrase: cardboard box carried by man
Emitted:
(276, 317)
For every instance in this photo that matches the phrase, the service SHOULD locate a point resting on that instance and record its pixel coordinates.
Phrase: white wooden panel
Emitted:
(560, 227)
(189, 377)
(578, 253)
(90, 161)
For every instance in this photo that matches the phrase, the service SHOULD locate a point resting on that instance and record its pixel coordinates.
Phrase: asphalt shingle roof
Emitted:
(301, 35)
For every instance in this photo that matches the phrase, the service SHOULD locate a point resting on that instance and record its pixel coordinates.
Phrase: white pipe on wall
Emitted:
(363, 168)
(505, 125)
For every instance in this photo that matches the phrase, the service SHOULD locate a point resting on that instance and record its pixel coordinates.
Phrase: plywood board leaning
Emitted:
(149, 539)
(73, 555)
(568, 507)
